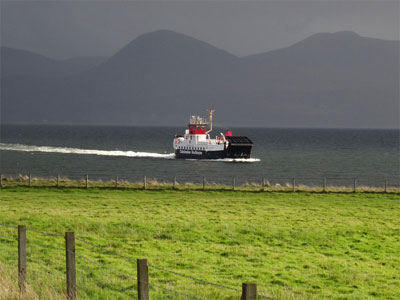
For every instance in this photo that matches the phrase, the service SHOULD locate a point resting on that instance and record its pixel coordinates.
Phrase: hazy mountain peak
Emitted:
(346, 34)
(18, 62)
(164, 33)
(8, 53)
(168, 42)
(164, 38)
(328, 36)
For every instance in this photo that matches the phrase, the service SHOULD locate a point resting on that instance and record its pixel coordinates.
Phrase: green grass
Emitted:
(293, 245)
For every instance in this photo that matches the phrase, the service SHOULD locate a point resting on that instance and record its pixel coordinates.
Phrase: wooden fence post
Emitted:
(22, 258)
(249, 291)
(70, 259)
(204, 183)
(233, 183)
(294, 185)
(385, 186)
(116, 181)
(144, 182)
(87, 180)
(1, 180)
(58, 180)
(142, 279)
(174, 184)
(30, 179)
(324, 185)
(263, 185)
(355, 185)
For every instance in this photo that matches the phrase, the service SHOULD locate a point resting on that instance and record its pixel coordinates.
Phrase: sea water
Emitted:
(103, 152)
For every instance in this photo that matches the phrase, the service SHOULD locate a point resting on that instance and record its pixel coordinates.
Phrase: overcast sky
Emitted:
(63, 29)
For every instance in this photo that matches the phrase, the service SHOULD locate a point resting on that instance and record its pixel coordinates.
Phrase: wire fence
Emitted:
(264, 184)
(43, 261)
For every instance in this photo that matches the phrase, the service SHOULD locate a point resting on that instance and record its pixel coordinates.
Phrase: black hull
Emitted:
(237, 150)
(187, 154)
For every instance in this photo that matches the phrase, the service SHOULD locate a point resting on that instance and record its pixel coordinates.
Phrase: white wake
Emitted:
(244, 160)
(240, 160)
(66, 150)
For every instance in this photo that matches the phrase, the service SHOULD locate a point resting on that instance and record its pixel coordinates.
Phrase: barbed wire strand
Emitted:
(266, 297)
(205, 281)
(45, 233)
(105, 249)
(29, 258)
(172, 291)
(119, 273)
(7, 239)
(45, 246)
(34, 230)
(126, 291)
(194, 278)
(9, 251)
(45, 274)
(9, 225)
(125, 276)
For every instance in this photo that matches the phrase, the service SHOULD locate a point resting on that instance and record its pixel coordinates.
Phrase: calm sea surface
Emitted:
(309, 155)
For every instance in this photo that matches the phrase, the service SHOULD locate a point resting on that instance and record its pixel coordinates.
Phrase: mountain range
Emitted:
(335, 80)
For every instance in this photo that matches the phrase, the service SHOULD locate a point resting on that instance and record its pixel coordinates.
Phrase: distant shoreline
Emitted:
(179, 126)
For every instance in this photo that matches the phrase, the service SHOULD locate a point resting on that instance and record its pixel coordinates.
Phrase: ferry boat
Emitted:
(196, 143)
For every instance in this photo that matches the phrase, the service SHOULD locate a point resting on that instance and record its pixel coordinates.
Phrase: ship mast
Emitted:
(211, 115)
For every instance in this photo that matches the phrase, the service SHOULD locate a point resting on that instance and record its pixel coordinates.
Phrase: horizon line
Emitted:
(175, 126)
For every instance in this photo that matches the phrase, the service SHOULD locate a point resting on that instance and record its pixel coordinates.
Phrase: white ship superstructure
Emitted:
(197, 143)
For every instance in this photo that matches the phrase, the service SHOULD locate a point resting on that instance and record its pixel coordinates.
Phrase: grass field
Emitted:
(293, 245)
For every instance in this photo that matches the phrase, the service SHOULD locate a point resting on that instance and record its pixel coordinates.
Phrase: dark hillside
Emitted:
(160, 78)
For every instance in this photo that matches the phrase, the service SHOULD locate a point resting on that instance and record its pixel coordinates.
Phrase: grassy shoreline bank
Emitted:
(154, 184)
